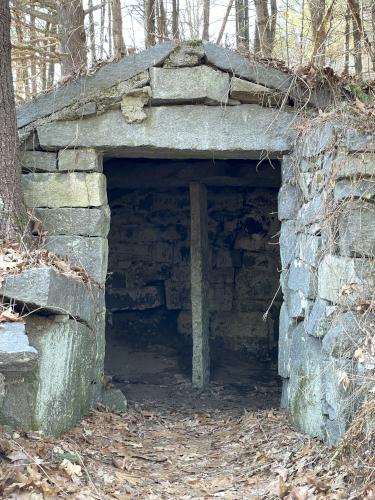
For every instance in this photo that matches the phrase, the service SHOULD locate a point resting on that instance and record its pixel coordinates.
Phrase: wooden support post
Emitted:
(199, 276)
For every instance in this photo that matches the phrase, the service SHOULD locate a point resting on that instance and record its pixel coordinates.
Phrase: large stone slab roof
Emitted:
(128, 67)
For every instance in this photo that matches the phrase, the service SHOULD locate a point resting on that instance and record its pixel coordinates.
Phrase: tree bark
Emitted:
(225, 20)
(118, 38)
(265, 27)
(12, 212)
(242, 24)
(357, 38)
(72, 37)
(317, 10)
(92, 32)
(150, 23)
(175, 20)
(162, 22)
(206, 19)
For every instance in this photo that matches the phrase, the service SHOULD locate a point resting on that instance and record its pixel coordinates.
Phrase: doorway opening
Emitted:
(149, 319)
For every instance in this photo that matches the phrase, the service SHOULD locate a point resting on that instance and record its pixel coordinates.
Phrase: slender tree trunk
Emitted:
(347, 41)
(11, 200)
(101, 34)
(51, 64)
(242, 24)
(161, 21)
(92, 32)
(72, 36)
(357, 38)
(225, 20)
(118, 38)
(33, 59)
(373, 24)
(265, 26)
(150, 23)
(175, 20)
(206, 19)
(317, 10)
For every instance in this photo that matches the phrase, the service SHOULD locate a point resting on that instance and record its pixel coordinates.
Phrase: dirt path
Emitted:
(206, 446)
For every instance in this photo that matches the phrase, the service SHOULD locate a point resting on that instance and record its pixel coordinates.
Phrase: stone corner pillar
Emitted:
(199, 276)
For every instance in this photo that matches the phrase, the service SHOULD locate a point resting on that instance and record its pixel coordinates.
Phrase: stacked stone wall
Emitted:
(326, 345)
(148, 290)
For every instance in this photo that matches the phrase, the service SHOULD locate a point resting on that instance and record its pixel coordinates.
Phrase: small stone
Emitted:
(288, 242)
(362, 188)
(318, 320)
(309, 247)
(253, 93)
(133, 104)
(288, 202)
(303, 277)
(38, 161)
(15, 352)
(70, 160)
(356, 226)
(187, 54)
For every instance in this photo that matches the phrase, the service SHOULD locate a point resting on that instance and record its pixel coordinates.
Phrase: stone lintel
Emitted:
(199, 277)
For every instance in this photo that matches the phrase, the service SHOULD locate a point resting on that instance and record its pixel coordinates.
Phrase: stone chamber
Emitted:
(182, 130)
(148, 292)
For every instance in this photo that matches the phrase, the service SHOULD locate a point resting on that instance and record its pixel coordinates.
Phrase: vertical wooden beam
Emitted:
(199, 276)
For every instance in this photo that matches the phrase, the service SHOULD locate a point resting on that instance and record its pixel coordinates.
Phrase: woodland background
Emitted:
(53, 39)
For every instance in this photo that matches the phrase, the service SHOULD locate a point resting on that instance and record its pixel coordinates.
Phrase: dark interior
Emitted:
(149, 340)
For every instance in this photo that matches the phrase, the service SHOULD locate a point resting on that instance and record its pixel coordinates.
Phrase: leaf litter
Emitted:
(159, 451)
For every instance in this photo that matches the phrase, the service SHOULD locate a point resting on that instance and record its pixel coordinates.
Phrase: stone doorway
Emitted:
(149, 292)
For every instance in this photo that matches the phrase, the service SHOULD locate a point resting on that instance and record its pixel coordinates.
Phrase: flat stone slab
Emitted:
(345, 280)
(106, 76)
(38, 161)
(64, 190)
(245, 131)
(89, 160)
(197, 84)
(54, 292)
(75, 221)
(16, 354)
(87, 252)
(253, 93)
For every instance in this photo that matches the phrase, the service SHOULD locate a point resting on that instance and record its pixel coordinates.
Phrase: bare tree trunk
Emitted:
(118, 38)
(150, 22)
(206, 19)
(225, 20)
(161, 21)
(33, 61)
(175, 20)
(373, 24)
(265, 26)
(242, 24)
(101, 34)
(357, 38)
(347, 41)
(72, 36)
(317, 10)
(51, 65)
(12, 212)
(92, 32)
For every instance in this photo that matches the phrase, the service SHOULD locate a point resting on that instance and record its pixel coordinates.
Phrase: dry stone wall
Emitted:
(149, 266)
(326, 346)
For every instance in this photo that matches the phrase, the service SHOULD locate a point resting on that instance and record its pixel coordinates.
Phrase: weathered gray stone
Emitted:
(246, 68)
(199, 282)
(347, 332)
(288, 202)
(305, 384)
(133, 104)
(16, 354)
(106, 76)
(353, 164)
(288, 242)
(286, 324)
(177, 295)
(288, 169)
(356, 141)
(243, 131)
(38, 161)
(362, 188)
(54, 292)
(356, 226)
(59, 392)
(70, 160)
(303, 277)
(284, 394)
(309, 247)
(78, 221)
(114, 399)
(319, 139)
(183, 85)
(147, 297)
(245, 330)
(185, 54)
(89, 253)
(304, 182)
(253, 93)
(346, 281)
(312, 212)
(298, 305)
(318, 320)
(64, 190)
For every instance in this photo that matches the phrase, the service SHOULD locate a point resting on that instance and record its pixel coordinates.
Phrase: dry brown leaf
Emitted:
(73, 470)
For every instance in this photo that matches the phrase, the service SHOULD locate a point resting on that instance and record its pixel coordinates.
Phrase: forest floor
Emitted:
(175, 442)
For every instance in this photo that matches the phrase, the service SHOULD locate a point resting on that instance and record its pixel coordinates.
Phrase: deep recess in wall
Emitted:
(148, 288)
